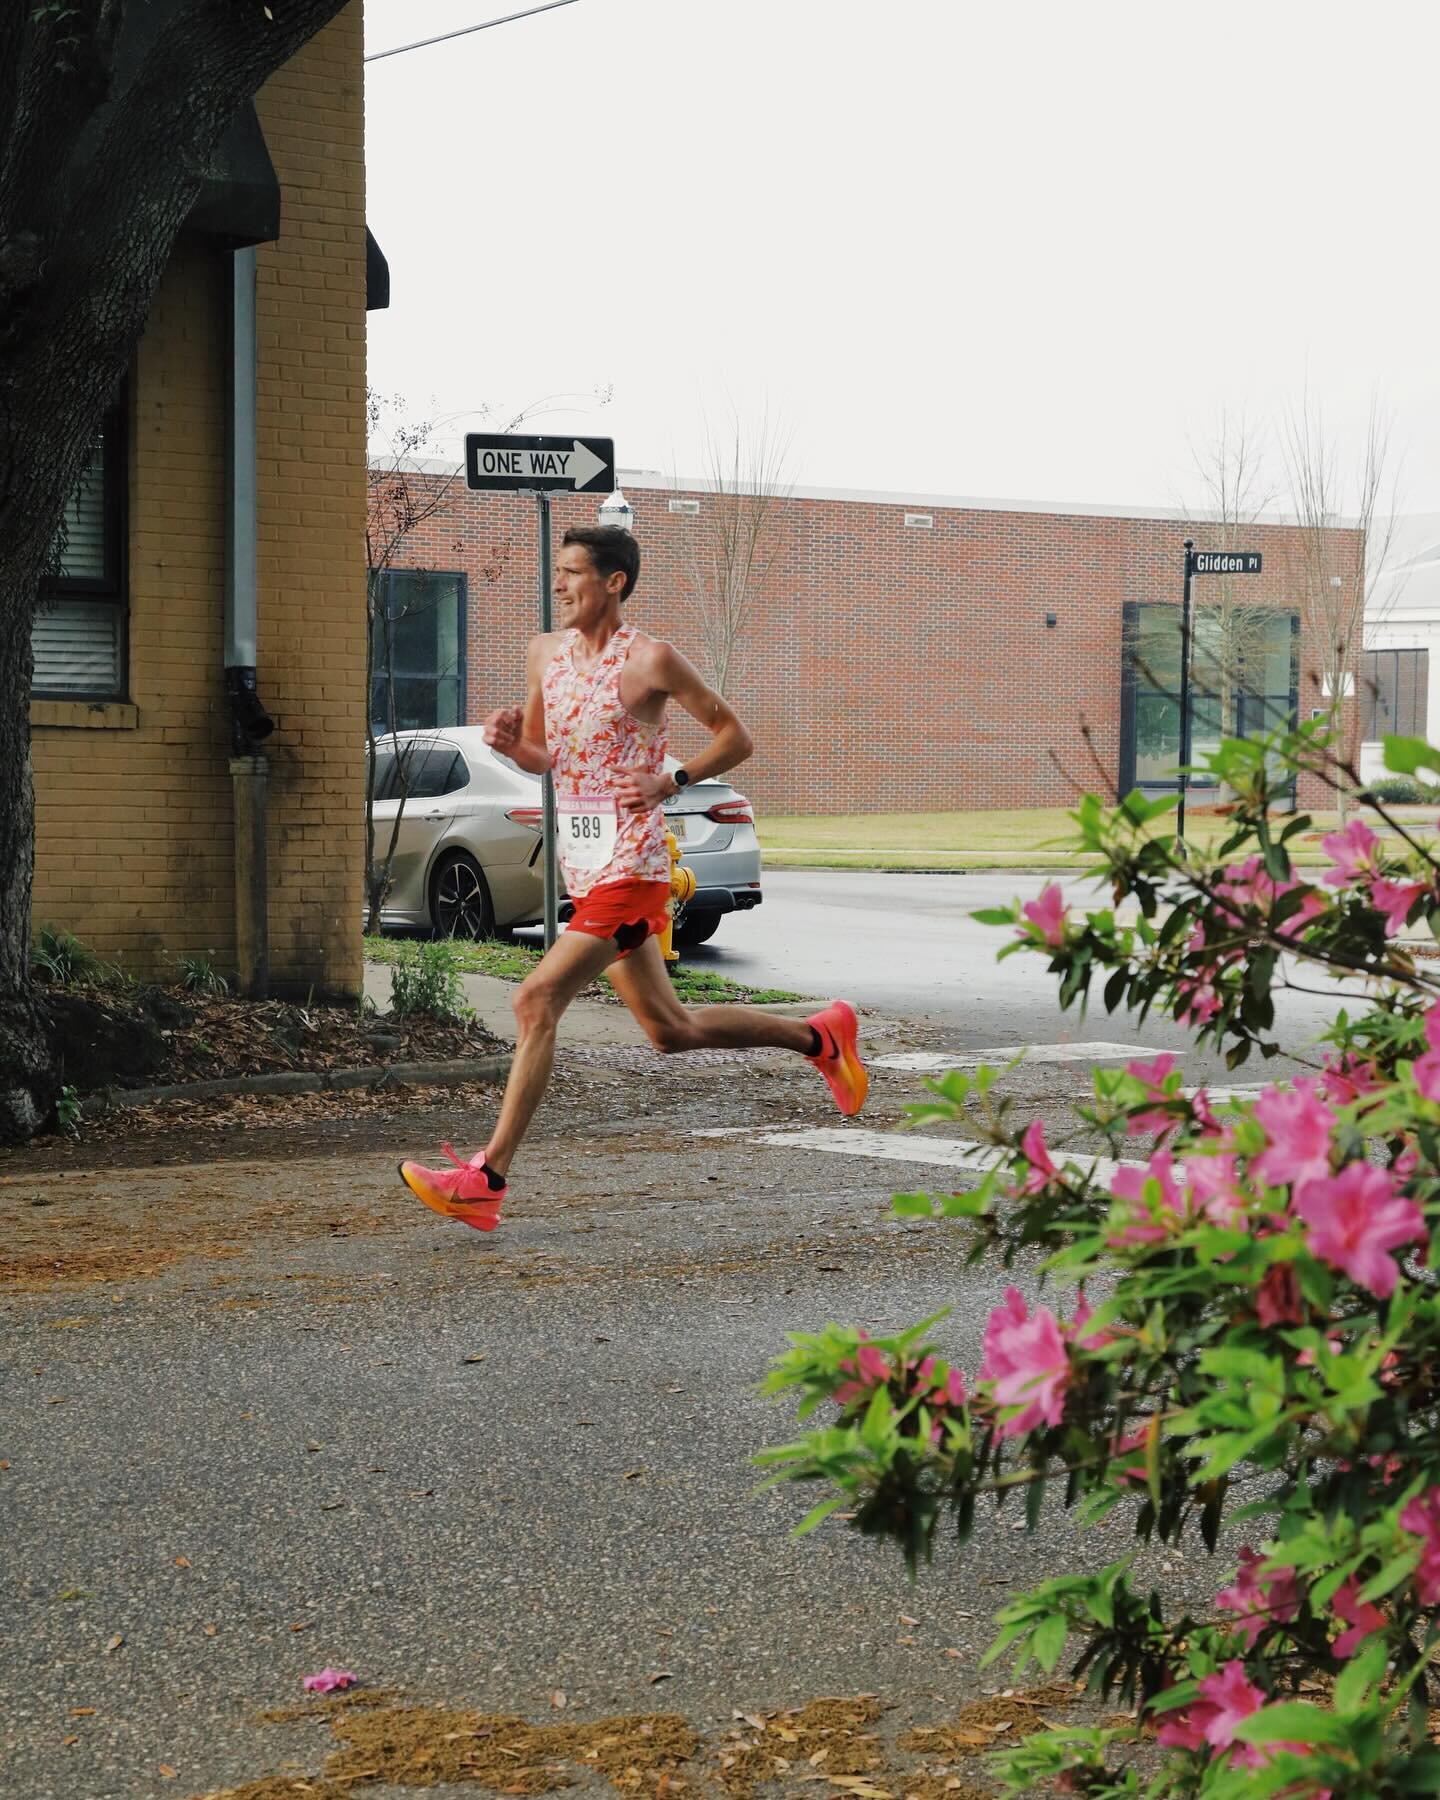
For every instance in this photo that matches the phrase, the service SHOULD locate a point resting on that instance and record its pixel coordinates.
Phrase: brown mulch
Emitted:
(832, 1748)
(220, 1038)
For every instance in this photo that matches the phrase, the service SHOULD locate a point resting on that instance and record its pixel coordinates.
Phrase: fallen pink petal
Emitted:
(328, 1680)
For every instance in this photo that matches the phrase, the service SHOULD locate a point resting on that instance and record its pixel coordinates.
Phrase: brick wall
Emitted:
(887, 668)
(133, 836)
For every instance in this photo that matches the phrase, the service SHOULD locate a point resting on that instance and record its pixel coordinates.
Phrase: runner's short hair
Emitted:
(612, 550)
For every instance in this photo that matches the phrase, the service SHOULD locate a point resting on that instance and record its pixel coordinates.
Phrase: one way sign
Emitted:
(501, 462)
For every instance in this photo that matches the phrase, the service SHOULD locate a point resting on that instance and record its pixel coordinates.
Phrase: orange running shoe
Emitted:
(464, 1192)
(839, 1059)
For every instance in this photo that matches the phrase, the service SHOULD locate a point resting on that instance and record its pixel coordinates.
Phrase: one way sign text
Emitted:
(539, 465)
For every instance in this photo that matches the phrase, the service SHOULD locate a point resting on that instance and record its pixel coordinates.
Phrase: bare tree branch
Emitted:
(734, 549)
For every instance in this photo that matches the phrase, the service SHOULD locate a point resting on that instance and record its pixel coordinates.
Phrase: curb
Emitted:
(452, 1073)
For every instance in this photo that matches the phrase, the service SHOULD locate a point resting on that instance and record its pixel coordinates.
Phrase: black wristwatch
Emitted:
(680, 777)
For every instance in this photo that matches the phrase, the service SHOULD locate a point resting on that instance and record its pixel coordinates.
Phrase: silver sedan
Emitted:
(466, 825)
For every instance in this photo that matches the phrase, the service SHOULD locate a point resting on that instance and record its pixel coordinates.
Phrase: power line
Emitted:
(509, 18)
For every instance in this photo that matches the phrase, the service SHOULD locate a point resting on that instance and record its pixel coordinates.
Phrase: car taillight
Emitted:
(732, 812)
(531, 816)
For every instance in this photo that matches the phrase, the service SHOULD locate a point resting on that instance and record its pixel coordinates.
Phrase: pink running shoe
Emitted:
(839, 1059)
(464, 1192)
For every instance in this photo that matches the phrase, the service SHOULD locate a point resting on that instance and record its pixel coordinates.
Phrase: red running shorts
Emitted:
(628, 911)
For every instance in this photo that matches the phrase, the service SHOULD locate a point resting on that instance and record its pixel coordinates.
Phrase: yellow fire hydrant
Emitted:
(682, 888)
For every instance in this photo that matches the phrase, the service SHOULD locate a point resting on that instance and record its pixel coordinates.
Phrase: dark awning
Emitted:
(377, 275)
(240, 201)
(239, 204)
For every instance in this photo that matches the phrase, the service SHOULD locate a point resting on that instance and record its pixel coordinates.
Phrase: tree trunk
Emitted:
(83, 244)
(29, 1081)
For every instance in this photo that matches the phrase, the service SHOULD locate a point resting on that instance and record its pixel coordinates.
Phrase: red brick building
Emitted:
(905, 654)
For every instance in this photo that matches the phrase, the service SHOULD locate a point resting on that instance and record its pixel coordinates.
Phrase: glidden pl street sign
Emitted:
(1225, 562)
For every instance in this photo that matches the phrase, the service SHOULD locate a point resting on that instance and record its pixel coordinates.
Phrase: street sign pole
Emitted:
(1184, 692)
(547, 784)
(511, 463)
(1201, 562)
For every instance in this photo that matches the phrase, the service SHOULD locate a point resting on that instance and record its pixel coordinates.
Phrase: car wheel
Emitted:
(460, 905)
(696, 928)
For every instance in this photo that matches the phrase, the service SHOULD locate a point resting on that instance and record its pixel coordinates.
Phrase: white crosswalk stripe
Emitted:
(906, 1147)
(927, 1062)
(1252, 1092)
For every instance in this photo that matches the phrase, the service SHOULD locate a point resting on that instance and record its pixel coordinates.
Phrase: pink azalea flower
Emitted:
(1204, 1113)
(1395, 899)
(1122, 1448)
(948, 1390)
(1151, 1221)
(1297, 1129)
(1358, 1614)
(871, 1369)
(1151, 1077)
(1027, 1365)
(1353, 852)
(1355, 1217)
(939, 1394)
(1033, 1148)
(1049, 915)
(1215, 1190)
(1426, 1067)
(1079, 1327)
(1346, 1079)
(328, 1680)
(1197, 999)
(1422, 1515)
(1277, 1299)
(1426, 1070)
(1259, 1600)
(1225, 1699)
(1311, 907)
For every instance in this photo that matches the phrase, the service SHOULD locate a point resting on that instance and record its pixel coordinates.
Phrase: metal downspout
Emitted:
(250, 723)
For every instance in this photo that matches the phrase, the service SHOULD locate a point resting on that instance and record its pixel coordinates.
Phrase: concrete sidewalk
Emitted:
(591, 1023)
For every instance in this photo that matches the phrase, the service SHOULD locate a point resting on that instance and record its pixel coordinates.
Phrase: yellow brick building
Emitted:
(190, 508)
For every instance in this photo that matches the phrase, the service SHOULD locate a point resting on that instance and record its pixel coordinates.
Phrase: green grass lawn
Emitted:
(513, 962)
(1033, 839)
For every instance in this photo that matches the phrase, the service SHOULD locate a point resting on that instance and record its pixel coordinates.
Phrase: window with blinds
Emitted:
(1395, 694)
(78, 635)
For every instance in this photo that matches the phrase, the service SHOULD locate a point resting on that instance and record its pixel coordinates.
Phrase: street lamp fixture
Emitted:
(617, 510)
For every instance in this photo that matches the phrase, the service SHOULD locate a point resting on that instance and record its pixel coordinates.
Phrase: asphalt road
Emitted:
(263, 1414)
(266, 1448)
(907, 946)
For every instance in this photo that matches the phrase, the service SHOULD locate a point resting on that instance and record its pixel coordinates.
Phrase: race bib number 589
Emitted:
(586, 829)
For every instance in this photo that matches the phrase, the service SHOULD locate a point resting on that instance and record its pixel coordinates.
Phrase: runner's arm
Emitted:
(517, 732)
(730, 743)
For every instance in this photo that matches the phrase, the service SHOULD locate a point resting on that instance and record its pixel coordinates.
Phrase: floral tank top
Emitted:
(592, 738)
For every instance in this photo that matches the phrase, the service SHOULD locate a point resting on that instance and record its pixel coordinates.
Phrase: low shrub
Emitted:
(426, 981)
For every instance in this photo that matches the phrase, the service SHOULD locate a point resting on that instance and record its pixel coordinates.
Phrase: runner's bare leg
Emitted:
(643, 983)
(571, 963)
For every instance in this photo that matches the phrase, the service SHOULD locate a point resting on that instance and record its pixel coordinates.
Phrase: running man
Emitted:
(594, 717)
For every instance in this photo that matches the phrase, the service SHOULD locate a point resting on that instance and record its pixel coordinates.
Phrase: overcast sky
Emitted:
(1000, 251)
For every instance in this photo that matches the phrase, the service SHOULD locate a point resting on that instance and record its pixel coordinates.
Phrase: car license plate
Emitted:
(677, 825)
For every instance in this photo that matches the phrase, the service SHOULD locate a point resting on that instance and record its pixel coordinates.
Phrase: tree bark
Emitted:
(83, 245)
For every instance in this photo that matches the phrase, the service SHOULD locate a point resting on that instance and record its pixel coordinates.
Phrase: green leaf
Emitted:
(1361, 1673)
(1398, 1569)
(1292, 1721)
(1407, 754)
(817, 1515)
(913, 1206)
(1049, 1641)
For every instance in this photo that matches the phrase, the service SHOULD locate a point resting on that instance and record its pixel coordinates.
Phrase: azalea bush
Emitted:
(1244, 1333)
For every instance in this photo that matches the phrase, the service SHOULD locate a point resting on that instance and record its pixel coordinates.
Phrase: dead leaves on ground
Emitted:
(831, 1748)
